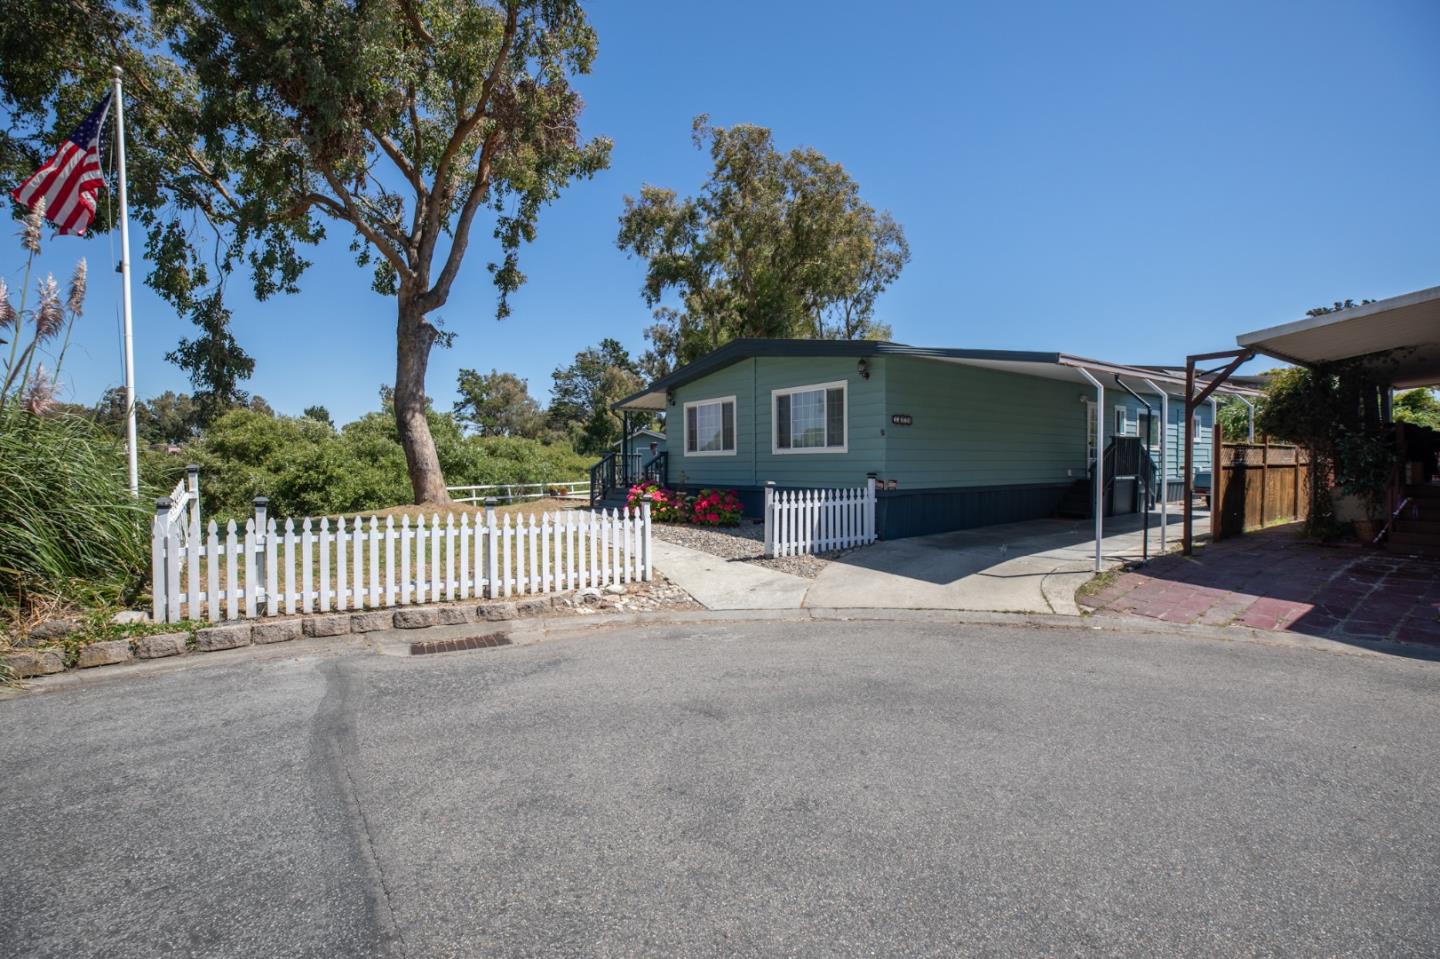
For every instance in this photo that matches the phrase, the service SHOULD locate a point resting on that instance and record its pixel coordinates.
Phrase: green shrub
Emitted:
(69, 529)
(307, 468)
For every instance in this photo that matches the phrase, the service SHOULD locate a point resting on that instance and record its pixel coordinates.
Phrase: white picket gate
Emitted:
(268, 568)
(818, 520)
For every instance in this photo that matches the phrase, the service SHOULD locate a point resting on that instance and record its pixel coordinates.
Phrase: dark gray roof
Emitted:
(744, 349)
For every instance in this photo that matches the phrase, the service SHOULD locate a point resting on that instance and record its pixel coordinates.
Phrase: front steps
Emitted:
(1417, 531)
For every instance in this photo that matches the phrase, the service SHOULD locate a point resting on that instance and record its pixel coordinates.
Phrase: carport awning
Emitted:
(1401, 333)
(1063, 366)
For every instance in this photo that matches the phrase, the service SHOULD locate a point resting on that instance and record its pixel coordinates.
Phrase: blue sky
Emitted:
(1132, 181)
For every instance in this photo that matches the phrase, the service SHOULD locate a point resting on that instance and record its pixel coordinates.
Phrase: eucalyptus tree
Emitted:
(775, 244)
(264, 122)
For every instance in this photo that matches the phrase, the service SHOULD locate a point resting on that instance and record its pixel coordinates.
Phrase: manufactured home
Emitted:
(955, 438)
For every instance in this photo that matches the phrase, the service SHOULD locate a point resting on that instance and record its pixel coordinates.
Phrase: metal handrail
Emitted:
(1404, 502)
(658, 473)
(602, 477)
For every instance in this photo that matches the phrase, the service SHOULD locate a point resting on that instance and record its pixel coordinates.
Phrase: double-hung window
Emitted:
(810, 419)
(710, 427)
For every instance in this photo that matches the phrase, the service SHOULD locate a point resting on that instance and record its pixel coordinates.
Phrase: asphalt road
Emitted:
(735, 790)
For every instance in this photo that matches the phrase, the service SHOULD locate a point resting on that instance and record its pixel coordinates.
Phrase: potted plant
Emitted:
(1364, 470)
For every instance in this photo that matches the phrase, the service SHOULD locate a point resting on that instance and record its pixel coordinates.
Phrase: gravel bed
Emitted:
(745, 543)
(659, 593)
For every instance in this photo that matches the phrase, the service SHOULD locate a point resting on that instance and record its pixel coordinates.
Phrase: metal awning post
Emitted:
(1249, 417)
(1144, 502)
(1164, 461)
(1099, 481)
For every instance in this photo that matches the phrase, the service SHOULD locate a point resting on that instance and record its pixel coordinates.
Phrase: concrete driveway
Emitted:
(733, 789)
(1030, 567)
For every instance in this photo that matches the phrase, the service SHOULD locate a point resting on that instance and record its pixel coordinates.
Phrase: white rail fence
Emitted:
(269, 567)
(818, 520)
(510, 492)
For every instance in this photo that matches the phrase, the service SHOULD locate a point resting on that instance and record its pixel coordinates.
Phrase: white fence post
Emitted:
(769, 514)
(158, 529)
(492, 550)
(212, 572)
(192, 483)
(869, 513)
(253, 588)
(646, 567)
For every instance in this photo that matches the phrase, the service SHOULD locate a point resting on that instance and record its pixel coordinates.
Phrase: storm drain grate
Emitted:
(488, 641)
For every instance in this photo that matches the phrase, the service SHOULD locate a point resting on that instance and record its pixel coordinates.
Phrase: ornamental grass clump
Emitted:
(69, 529)
(70, 532)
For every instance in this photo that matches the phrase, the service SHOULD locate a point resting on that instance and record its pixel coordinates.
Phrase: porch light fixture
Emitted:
(669, 397)
(863, 368)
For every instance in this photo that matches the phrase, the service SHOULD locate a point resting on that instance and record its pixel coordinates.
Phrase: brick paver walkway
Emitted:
(1277, 580)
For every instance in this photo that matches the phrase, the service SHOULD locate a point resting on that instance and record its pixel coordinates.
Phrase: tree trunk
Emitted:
(414, 337)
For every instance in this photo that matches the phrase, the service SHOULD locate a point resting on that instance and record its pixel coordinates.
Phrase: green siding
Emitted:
(754, 463)
(738, 470)
(973, 426)
(865, 419)
(981, 427)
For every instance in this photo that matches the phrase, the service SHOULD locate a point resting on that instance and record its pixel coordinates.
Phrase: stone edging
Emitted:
(29, 663)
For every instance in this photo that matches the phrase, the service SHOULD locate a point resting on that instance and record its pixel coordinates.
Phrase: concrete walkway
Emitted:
(728, 584)
(1031, 567)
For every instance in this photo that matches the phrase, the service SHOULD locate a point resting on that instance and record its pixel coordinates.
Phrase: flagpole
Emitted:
(119, 105)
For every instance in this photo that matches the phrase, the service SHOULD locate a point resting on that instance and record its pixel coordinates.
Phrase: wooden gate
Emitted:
(1259, 485)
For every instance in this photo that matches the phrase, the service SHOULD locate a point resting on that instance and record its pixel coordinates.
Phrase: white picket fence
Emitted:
(818, 520)
(271, 567)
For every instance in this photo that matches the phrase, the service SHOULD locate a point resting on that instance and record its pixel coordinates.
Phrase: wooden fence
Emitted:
(1258, 485)
(818, 520)
(267, 568)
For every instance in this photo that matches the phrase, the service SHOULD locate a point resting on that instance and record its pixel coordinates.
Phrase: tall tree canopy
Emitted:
(775, 244)
(1419, 406)
(262, 120)
(583, 391)
(498, 404)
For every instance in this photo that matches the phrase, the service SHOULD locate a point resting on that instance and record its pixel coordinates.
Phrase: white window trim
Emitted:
(843, 386)
(685, 427)
(1124, 424)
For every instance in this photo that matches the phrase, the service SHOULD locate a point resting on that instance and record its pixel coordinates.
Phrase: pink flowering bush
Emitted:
(713, 507)
(666, 505)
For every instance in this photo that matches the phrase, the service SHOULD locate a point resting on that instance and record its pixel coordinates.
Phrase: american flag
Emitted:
(69, 180)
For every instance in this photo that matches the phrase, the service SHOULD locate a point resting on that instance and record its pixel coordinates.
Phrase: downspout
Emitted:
(1099, 464)
(1164, 461)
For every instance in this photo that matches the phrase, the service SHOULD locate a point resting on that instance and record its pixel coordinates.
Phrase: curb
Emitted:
(455, 637)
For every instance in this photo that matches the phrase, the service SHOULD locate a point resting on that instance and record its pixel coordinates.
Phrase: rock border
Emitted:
(267, 630)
